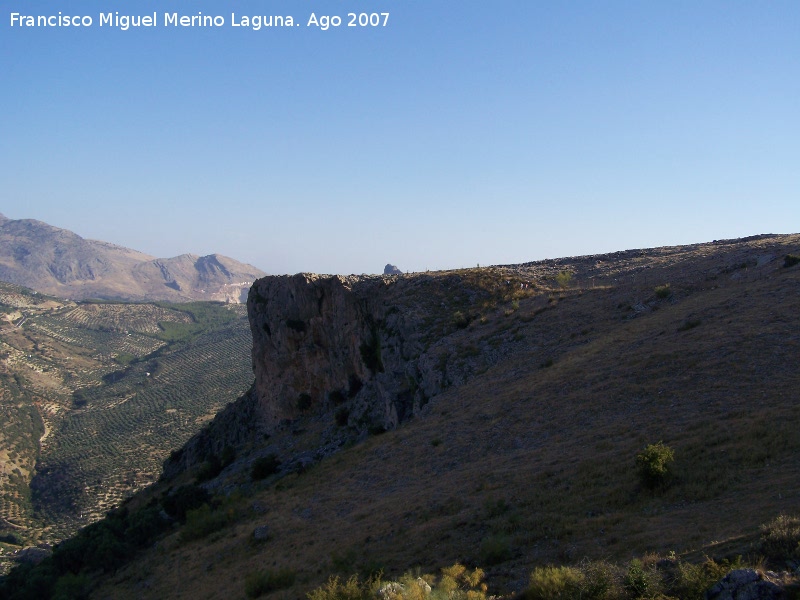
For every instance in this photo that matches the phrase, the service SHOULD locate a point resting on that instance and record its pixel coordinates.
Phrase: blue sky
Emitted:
(463, 132)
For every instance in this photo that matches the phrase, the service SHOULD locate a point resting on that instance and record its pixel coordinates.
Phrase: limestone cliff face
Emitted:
(322, 342)
(336, 358)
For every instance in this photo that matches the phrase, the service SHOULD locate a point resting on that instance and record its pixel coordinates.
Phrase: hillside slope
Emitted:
(517, 444)
(59, 262)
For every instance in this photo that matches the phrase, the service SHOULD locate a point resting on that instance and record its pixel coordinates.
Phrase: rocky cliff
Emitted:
(319, 342)
(348, 356)
(336, 358)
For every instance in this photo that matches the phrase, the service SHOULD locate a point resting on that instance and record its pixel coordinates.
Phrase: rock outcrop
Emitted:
(745, 584)
(354, 354)
(390, 269)
(322, 343)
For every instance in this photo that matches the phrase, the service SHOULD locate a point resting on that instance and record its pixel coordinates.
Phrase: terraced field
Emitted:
(94, 396)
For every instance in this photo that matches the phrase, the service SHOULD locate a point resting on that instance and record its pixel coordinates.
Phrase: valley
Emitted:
(94, 395)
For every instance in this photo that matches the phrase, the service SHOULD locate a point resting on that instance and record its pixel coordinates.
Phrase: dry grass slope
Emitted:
(532, 462)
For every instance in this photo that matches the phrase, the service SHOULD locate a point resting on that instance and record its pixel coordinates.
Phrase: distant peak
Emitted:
(391, 269)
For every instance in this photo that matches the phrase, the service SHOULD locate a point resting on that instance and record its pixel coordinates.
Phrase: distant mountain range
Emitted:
(59, 262)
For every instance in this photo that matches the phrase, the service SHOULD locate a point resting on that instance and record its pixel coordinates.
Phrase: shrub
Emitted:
(495, 549)
(342, 415)
(296, 325)
(209, 469)
(654, 465)
(663, 291)
(228, 456)
(354, 385)
(637, 581)
(303, 402)
(564, 278)
(264, 582)
(72, 587)
(185, 498)
(352, 589)
(202, 522)
(790, 260)
(601, 581)
(554, 583)
(458, 582)
(689, 324)
(10, 538)
(692, 581)
(461, 320)
(780, 538)
(264, 466)
(371, 353)
(337, 397)
(144, 525)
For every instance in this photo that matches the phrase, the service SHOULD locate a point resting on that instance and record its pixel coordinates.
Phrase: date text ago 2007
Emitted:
(325, 22)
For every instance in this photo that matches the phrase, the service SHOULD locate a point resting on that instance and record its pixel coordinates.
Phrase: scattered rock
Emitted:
(394, 589)
(745, 584)
(261, 533)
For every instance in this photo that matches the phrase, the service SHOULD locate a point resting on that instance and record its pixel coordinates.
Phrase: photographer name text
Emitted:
(177, 20)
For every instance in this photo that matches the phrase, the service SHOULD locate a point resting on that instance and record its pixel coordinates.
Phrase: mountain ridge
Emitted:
(536, 386)
(490, 417)
(59, 262)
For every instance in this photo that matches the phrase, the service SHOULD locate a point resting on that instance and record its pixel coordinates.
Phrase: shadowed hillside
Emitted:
(533, 388)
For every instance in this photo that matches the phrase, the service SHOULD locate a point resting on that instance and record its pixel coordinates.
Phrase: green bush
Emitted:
(264, 466)
(10, 538)
(663, 291)
(791, 260)
(780, 538)
(143, 526)
(204, 521)
(689, 324)
(495, 549)
(228, 456)
(209, 469)
(564, 278)
(601, 581)
(303, 402)
(554, 583)
(264, 582)
(654, 465)
(636, 581)
(456, 583)
(692, 581)
(72, 587)
(184, 499)
(342, 415)
(352, 589)
(459, 583)
(371, 353)
(461, 320)
(296, 325)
